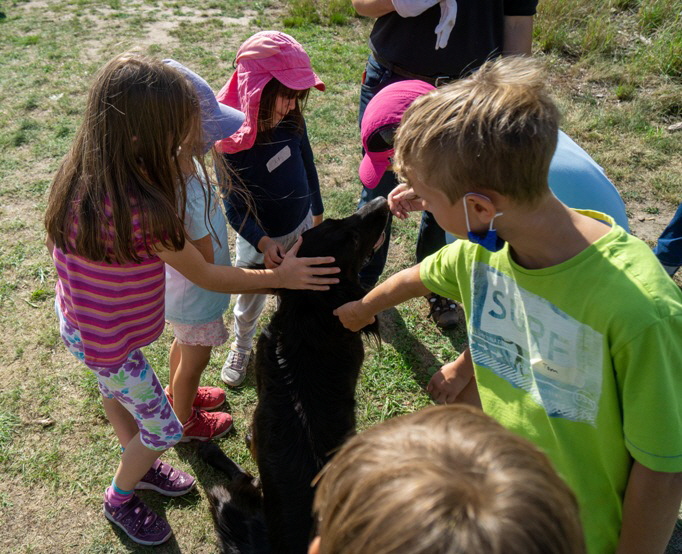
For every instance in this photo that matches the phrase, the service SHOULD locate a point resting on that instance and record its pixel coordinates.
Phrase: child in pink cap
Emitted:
(272, 157)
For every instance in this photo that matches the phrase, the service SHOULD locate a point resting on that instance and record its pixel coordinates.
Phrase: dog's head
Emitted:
(351, 240)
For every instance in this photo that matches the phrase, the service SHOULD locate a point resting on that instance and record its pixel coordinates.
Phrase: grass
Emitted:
(614, 68)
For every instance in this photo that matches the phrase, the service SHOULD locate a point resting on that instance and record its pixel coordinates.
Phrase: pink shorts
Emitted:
(205, 334)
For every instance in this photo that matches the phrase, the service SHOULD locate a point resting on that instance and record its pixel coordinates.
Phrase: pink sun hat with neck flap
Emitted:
(379, 123)
(262, 57)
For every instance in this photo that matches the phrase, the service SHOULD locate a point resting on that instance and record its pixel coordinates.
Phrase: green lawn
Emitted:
(615, 67)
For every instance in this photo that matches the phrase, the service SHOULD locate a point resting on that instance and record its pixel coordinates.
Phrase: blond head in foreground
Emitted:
(447, 479)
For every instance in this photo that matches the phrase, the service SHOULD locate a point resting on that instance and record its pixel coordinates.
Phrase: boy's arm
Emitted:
(395, 290)
(652, 501)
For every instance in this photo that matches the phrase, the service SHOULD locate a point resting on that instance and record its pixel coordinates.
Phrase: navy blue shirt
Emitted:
(281, 178)
(409, 42)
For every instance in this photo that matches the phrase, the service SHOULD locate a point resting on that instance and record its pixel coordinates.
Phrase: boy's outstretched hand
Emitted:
(301, 273)
(402, 200)
(352, 317)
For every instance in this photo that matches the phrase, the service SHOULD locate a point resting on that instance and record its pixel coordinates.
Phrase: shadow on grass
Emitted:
(412, 350)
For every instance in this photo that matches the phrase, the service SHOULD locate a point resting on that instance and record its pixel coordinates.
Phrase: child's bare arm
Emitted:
(273, 253)
(49, 243)
(205, 247)
(293, 273)
(395, 290)
(652, 500)
(373, 8)
(518, 35)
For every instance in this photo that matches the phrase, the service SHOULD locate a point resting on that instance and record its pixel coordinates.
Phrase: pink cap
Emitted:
(385, 108)
(261, 57)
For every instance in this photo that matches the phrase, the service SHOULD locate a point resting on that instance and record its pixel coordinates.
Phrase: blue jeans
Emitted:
(431, 237)
(669, 247)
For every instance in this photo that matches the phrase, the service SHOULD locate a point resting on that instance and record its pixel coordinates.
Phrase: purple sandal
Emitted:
(138, 521)
(165, 479)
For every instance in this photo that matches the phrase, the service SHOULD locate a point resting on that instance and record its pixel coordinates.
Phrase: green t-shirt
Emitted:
(583, 358)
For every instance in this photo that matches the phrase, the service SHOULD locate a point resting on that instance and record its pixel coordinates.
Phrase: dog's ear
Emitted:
(373, 331)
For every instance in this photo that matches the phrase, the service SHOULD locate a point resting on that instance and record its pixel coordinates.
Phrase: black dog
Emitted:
(307, 366)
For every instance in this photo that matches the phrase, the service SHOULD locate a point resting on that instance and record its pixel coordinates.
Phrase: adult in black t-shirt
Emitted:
(405, 48)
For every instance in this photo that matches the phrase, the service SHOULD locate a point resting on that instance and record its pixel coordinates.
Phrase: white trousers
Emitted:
(248, 307)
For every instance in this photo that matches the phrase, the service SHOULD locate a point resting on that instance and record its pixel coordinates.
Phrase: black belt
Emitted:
(432, 80)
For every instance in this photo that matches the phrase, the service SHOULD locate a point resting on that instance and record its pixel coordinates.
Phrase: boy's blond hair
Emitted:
(447, 479)
(495, 130)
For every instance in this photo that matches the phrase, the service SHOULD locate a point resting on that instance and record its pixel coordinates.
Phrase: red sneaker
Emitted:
(207, 398)
(204, 426)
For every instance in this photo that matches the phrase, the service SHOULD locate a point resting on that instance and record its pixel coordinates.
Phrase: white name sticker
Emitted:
(278, 159)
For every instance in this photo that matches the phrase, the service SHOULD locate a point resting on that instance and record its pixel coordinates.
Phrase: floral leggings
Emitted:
(137, 388)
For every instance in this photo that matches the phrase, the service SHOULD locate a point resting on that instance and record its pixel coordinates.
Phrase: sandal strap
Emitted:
(164, 470)
(138, 511)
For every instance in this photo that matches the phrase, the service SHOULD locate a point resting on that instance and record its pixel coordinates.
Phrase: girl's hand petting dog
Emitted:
(301, 273)
(352, 316)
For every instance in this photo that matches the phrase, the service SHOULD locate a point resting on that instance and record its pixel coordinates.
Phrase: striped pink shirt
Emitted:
(116, 307)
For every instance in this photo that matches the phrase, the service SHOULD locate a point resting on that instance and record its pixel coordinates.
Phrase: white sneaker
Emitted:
(234, 368)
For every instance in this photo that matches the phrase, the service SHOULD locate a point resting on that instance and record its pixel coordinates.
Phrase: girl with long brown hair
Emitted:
(112, 223)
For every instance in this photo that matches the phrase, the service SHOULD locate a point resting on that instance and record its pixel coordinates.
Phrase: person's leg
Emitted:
(669, 246)
(136, 458)
(248, 307)
(128, 391)
(247, 310)
(372, 270)
(190, 354)
(185, 375)
(140, 413)
(445, 312)
(122, 421)
(431, 237)
(375, 78)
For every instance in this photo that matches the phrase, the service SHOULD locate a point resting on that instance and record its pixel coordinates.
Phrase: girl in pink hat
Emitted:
(272, 157)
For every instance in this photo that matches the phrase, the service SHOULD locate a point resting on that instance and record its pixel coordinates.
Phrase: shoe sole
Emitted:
(135, 539)
(149, 487)
(205, 439)
(231, 383)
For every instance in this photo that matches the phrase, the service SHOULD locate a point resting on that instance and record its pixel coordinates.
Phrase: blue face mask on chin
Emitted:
(488, 240)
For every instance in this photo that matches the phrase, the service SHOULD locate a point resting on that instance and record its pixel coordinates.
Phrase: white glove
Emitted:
(412, 8)
(448, 16)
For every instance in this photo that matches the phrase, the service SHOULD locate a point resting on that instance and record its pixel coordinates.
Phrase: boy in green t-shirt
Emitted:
(573, 325)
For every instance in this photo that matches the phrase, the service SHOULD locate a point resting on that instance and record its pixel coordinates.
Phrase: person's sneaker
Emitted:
(445, 313)
(234, 368)
(165, 479)
(207, 398)
(204, 426)
(138, 521)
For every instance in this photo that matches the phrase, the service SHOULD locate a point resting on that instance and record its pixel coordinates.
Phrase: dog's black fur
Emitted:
(307, 366)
